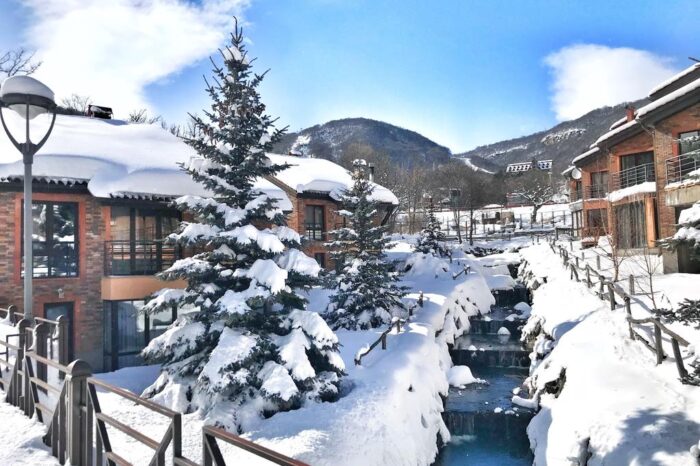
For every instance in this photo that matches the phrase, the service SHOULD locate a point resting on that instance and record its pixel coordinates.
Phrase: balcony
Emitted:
(575, 194)
(632, 176)
(139, 257)
(681, 168)
(596, 191)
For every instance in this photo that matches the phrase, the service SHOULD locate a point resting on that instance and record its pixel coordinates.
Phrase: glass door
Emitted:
(52, 311)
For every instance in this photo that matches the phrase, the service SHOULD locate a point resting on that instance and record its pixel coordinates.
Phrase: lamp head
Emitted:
(18, 92)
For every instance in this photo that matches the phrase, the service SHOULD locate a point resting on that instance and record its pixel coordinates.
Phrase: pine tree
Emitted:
(366, 292)
(244, 346)
(688, 232)
(432, 239)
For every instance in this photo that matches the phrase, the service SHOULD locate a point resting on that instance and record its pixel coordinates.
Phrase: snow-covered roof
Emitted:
(307, 175)
(674, 78)
(117, 159)
(586, 154)
(618, 123)
(568, 170)
(619, 129)
(669, 98)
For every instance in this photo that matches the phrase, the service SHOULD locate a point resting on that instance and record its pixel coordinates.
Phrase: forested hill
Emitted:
(561, 143)
(330, 140)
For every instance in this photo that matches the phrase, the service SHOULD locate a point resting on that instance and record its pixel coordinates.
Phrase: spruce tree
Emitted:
(366, 291)
(431, 239)
(243, 346)
(688, 232)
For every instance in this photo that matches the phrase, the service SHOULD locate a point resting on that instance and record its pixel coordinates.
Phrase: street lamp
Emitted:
(29, 98)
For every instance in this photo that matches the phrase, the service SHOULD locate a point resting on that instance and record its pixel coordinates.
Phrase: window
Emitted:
(636, 169)
(136, 246)
(127, 331)
(689, 142)
(599, 184)
(314, 222)
(321, 259)
(54, 239)
(630, 225)
(597, 218)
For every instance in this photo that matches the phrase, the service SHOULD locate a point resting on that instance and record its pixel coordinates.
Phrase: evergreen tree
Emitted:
(366, 292)
(688, 232)
(244, 346)
(432, 239)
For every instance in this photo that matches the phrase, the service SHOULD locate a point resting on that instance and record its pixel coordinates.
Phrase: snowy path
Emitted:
(616, 403)
(21, 439)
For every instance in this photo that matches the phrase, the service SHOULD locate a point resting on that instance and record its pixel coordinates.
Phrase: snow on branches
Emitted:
(243, 346)
(431, 239)
(366, 292)
(688, 232)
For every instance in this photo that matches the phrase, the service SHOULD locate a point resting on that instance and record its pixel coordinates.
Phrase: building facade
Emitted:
(100, 220)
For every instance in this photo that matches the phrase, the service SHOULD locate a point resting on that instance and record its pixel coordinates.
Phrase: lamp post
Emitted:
(29, 98)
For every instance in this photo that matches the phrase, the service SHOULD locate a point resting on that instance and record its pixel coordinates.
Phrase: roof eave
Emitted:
(671, 108)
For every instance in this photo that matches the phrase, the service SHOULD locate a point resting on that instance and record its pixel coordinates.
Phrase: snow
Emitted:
(468, 162)
(616, 403)
(320, 175)
(561, 135)
(265, 272)
(690, 215)
(678, 93)
(500, 282)
(619, 129)
(618, 122)
(504, 331)
(461, 376)
(277, 381)
(586, 154)
(22, 439)
(642, 188)
(26, 85)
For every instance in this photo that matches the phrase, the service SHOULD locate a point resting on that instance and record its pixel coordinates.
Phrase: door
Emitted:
(53, 310)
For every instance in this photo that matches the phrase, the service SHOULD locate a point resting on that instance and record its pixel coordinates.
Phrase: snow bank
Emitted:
(460, 376)
(642, 188)
(600, 393)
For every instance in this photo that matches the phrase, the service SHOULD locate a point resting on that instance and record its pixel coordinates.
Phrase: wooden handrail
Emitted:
(212, 453)
(160, 409)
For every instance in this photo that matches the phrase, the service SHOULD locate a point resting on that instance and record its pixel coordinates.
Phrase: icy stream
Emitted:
(486, 427)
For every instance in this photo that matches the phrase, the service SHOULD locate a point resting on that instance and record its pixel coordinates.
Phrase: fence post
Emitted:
(41, 335)
(628, 309)
(11, 313)
(62, 343)
(611, 292)
(588, 276)
(383, 341)
(631, 279)
(659, 345)
(679, 359)
(76, 397)
(597, 262)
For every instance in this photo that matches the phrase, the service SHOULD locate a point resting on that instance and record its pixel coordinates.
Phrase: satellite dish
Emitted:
(576, 174)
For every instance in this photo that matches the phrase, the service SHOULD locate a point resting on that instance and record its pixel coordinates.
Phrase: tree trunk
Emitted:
(471, 227)
(459, 232)
(533, 217)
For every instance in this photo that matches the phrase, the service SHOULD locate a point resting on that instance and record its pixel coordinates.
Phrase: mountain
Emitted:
(561, 143)
(329, 140)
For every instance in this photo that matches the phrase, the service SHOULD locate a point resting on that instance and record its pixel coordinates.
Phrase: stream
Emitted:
(486, 427)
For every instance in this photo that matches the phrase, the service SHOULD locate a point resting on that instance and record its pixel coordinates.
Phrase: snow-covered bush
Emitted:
(688, 313)
(688, 232)
(243, 346)
(366, 292)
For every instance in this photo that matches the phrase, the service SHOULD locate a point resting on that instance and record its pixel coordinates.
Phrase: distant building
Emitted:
(520, 167)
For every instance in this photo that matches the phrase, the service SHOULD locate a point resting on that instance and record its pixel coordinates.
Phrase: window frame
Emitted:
(50, 243)
(694, 133)
(311, 233)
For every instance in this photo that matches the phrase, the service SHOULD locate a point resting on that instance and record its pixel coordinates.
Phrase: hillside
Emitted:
(329, 140)
(561, 143)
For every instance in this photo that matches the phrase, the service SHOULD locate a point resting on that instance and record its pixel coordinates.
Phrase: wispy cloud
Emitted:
(588, 76)
(111, 50)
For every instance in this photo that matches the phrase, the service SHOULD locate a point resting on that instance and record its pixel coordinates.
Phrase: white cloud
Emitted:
(589, 76)
(111, 49)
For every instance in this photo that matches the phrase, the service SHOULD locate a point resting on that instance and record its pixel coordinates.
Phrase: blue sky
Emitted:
(463, 73)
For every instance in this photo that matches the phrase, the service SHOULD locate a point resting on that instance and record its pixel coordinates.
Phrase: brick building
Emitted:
(653, 160)
(101, 210)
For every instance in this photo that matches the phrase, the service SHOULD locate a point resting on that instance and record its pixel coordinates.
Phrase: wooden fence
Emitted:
(610, 291)
(65, 399)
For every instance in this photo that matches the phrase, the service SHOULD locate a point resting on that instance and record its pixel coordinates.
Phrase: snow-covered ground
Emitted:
(390, 411)
(616, 405)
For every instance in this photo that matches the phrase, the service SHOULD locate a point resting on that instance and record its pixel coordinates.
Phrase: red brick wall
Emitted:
(83, 291)
(665, 147)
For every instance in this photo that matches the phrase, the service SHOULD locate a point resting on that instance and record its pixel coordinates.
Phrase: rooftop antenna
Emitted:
(694, 59)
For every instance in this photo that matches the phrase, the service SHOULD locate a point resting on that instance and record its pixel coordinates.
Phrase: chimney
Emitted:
(629, 112)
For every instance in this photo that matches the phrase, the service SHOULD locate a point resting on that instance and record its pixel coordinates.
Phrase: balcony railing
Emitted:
(632, 176)
(575, 195)
(596, 191)
(682, 168)
(139, 257)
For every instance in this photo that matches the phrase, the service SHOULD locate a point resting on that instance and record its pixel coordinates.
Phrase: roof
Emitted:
(676, 82)
(117, 159)
(311, 175)
(668, 100)
(628, 129)
(568, 170)
(585, 155)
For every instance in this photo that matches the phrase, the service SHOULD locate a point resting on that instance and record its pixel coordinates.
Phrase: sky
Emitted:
(461, 72)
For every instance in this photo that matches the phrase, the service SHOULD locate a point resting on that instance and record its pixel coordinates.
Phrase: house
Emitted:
(521, 167)
(101, 210)
(588, 190)
(653, 161)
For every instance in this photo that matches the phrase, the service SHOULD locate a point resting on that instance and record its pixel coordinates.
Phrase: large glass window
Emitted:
(689, 142)
(314, 222)
(599, 184)
(127, 331)
(631, 225)
(54, 239)
(636, 169)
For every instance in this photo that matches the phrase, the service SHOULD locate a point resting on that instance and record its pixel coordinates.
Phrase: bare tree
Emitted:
(18, 61)
(535, 186)
(649, 263)
(77, 104)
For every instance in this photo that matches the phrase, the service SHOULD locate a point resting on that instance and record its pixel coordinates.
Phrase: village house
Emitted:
(653, 158)
(101, 209)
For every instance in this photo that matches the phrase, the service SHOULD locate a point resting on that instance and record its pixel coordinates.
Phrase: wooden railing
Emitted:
(77, 428)
(394, 325)
(608, 290)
